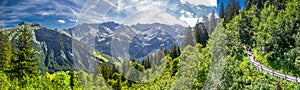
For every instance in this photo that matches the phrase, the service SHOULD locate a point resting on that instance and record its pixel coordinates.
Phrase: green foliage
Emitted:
(280, 4)
(99, 56)
(74, 82)
(5, 51)
(4, 81)
(61, 80)
(272, 33)
(24, 65)
(272, 30)
(232, 10)
(107, 71)
(215, 54)
(258, 3)
(175, 52)
(201, 34)
(277, 36)
(50, 63)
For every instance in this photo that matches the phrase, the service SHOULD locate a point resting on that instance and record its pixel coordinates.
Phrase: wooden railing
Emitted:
(261, 67)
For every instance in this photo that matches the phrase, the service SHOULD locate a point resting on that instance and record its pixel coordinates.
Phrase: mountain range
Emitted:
(75, 47)
(136, 41)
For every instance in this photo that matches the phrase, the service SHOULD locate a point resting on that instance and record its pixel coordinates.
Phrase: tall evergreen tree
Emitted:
(175, 52)
(158, 56)
(205, 21)
(74, 82)
(5, 51)
(280, 4)
(258, 3)
(25, 64)
(146, 63)
(188, 38)
(222, 11)
(106, 71)
(229, 13)
(236, 7)
(201, 34)
(50, 63)
(213, 22)
(232, 10)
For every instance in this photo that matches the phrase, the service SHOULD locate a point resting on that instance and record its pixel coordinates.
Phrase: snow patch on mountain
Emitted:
(137, 40)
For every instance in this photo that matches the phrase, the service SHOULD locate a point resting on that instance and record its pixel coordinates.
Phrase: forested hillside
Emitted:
(273, 33)
(205, 59)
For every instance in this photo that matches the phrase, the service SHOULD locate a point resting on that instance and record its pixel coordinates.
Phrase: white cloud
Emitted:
(140, 5)
(138, 11)
(190, 21)
(153, 16)
(73, 20)
(61, 21)
(201, 2)
(45, 13)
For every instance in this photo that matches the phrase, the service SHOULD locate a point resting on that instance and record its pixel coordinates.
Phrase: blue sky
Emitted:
(67, 13)
(242, 3)
(45, 12)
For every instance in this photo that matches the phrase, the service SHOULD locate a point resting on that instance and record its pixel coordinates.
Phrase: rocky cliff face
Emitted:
(68, 53)
(57, 51)
(138, 40)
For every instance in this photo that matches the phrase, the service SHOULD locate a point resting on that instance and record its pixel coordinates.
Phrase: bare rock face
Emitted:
(137, 40)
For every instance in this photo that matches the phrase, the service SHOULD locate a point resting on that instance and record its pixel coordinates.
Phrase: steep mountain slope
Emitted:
(196, 11)
(138, 40)
(150, 40)
(57, 51)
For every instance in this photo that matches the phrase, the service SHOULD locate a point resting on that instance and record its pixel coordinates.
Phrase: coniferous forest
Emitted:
(211, 55)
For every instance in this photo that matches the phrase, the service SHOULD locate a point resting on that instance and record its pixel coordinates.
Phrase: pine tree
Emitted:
(106, 71)
(97, 70)
(146, 63)
(175, 52)
(213, 22)
(232, 10)
(236, 7)
(5, 51)
(229, 13)
(222, 11)
(197, 32)
(158, 56)
(248, 4)
(50, 61)
(201, 34)
(74, 82)
(25, 64)
(188, 38)
(258, 3)
(206, 22)
(280, 4)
